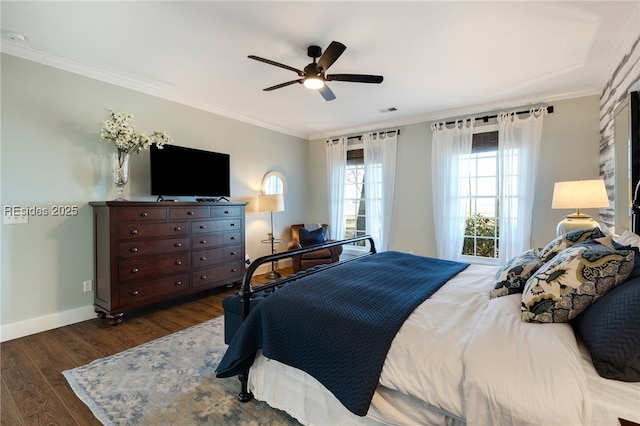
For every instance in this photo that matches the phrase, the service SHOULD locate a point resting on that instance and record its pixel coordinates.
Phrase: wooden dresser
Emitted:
(146, 252)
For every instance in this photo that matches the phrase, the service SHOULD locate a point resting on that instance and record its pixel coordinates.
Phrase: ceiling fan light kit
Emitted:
(313, 76)
(313, 83)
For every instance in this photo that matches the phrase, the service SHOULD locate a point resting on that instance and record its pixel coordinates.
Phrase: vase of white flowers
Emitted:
(121, 133)
(120, 164)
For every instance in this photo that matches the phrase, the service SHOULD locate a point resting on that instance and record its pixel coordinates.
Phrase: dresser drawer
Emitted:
(221, 274)
(205, 226)
(220, 212)
(214, 240)
(150, 230)
(143, 248)
(203, 258)
(188, 212)
(141, 213)
(139, 292)
(153, 265)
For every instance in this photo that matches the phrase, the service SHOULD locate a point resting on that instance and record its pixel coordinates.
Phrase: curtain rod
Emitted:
(397, 132)
(488, 117)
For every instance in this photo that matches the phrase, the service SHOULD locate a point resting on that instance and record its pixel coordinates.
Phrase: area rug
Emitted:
(169, 381)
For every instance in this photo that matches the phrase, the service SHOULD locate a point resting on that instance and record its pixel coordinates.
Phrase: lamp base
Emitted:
(575, 222)
(272, 275)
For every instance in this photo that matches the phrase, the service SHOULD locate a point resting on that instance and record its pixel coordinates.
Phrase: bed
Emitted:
(474, 350)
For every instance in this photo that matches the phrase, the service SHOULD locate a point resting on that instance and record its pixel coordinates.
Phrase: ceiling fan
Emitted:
(313, 76)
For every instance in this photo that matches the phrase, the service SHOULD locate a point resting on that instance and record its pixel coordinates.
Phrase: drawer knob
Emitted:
(203, 242)
(177, 228)
(203, 277)
(178, 262)
(226, 212)
(190, 213)
(134, 249)
(178, 244)
(134, 231)
(233, 253)
(203, 258)
(232, 238)
(135, 270)
(234, 270)
(178, 282)
(232, 224)
(203, 226)
(144, 214)
(135, 293)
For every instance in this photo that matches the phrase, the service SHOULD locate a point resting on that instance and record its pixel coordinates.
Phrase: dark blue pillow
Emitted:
(310, 238)
(610, 328)
(636, 266)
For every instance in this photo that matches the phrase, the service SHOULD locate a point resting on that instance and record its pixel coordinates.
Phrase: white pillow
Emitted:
(628, 238)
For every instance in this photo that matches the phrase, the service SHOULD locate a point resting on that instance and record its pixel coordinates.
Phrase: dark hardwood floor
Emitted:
(34, 391)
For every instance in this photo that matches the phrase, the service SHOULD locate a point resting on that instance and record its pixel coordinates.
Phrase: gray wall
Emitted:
(569, 151)
(52, 154)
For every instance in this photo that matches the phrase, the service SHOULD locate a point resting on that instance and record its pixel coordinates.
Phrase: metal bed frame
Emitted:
(247, 291)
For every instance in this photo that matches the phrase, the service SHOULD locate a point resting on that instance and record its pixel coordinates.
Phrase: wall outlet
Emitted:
(87, 286)
(14, 220)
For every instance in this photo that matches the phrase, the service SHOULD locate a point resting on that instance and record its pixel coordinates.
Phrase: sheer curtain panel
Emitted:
(518, 148)
(336, 164)
(450, 152)
(379, 177)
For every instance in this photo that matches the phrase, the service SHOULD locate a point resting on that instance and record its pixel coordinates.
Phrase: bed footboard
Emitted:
(247, 290)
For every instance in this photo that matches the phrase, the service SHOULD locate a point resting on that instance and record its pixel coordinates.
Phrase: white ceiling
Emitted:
(438, 59)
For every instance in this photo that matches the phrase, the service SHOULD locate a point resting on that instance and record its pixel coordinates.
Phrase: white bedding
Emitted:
(461, 357)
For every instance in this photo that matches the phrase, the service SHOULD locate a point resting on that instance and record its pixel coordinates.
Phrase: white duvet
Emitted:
(461, 356)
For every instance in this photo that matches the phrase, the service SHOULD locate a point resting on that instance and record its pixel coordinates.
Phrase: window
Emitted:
(482, 206)
(354, 203)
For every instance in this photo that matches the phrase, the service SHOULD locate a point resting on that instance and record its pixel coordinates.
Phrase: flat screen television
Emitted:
(181, 171)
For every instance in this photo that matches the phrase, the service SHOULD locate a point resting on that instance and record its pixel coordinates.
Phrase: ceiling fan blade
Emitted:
(278, 86)
(355, 78)
(326, 93)
(277, 64)
(330, 55)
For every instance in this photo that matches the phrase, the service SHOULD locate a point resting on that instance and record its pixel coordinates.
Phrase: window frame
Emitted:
(352, 247)
(482, 259)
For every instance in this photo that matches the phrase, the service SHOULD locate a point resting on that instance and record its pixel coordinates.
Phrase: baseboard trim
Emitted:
(60, 319)
(48, 322)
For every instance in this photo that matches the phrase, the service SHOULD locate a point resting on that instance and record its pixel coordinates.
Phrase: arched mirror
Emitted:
(274, 183)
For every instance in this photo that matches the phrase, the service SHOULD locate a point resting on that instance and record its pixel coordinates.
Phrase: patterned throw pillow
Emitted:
(567, 240)
(512, 277)
(573, 280)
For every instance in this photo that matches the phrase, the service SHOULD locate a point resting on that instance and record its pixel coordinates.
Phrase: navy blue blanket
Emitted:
(337, 325)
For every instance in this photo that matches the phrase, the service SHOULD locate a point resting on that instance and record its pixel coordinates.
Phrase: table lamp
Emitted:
(578, 194)
(271, 203)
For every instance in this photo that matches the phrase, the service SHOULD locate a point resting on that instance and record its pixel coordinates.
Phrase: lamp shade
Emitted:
(580, 194)
(271, 203)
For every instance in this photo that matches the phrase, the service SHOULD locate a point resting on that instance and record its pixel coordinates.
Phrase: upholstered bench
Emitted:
(232, 310)
(233, 307)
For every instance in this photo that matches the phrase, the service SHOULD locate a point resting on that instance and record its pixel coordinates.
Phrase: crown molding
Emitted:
(16, 49)
(460, 112)
(20, 51)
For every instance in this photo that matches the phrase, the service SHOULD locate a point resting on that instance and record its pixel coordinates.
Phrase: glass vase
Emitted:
(120, 173)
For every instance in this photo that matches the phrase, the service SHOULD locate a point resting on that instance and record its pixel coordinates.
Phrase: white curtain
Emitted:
(379, 177)
(518, 148)
(450, 152)
(336, 165)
